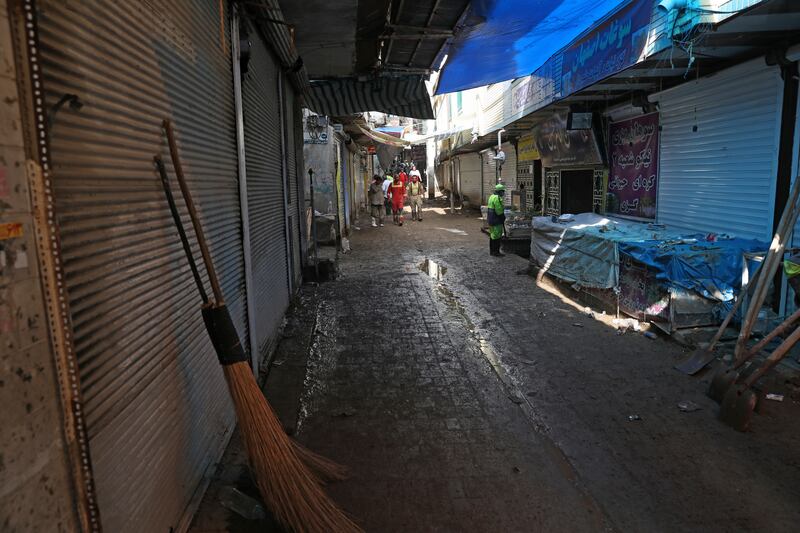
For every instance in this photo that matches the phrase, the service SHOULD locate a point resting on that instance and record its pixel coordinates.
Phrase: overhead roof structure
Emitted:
(363, 55)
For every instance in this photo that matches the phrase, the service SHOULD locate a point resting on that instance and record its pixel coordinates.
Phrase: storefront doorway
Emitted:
(576, 191)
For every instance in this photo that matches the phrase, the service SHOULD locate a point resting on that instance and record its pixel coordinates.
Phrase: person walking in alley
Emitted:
(376, 201)
(387, 182)
(415, 191)
(495, 216)
(414, 172)
(397, 192)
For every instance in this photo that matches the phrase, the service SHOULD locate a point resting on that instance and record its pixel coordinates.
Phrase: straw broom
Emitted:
(287, 486)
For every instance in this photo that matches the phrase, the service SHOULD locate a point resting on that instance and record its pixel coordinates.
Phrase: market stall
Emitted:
(649, 271)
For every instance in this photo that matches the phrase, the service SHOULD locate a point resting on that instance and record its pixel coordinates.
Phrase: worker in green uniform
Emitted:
(495, 216)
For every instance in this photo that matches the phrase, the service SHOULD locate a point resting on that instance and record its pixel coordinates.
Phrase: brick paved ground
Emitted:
(474, 403)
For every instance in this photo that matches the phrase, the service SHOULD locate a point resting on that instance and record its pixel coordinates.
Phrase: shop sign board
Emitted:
(526, 149)
(612, 47)
(633, 158)
(560, 147)
(535, 91)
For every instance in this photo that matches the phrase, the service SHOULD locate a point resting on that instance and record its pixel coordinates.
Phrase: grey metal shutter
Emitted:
(294, 183)
(262, 143)
(469, 167)
(721, 177)
(508, 172)
(489, 171)
(154, 397)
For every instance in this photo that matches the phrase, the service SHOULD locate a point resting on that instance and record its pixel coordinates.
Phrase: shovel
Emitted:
(740, 401)
(728, 375)
(699, 358)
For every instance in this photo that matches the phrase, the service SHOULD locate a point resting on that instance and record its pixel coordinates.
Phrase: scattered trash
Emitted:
(541, 314)
(650, 335)
(356, 228)
(688, 406)
(588, 311)
(774, 397)
(634, 418)
(577, 324)
(516, 470)
(627, 323)
(347, 413)
(345, 245)
(240, 503)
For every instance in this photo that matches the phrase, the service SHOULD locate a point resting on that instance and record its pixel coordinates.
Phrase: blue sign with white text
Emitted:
(613, 46)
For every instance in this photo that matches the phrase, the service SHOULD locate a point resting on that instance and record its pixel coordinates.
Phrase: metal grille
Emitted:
(262, 143)
(552, 191)
(154, 397)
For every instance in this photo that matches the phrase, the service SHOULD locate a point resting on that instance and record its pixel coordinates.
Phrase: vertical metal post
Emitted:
(243, 207)
(314, 223)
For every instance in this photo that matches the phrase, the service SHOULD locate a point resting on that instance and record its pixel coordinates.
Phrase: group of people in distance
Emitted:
(388, 195)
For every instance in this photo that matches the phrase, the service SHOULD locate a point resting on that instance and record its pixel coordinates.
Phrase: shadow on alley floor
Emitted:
(467, 398)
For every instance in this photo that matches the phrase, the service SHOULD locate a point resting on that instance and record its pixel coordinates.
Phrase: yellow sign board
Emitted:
(526, 149)
(10, 230)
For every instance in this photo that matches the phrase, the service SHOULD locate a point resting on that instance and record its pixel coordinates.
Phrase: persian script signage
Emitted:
(613, 46)
(633, 180)
(560, 147)
(526, 149)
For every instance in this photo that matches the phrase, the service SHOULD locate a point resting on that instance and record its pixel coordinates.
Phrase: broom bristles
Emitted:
(288, 488)
(324, 468)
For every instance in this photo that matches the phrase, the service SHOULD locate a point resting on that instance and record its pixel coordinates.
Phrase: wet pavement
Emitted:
(465, 397)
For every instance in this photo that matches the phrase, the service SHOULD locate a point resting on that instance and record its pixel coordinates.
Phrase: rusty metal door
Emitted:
(154, 398)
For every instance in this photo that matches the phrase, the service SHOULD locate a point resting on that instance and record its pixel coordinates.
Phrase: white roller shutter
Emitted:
(470, 168)
(721, 177)
(508, 172)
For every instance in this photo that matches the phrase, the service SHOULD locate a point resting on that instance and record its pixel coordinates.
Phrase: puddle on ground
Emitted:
(433, 269)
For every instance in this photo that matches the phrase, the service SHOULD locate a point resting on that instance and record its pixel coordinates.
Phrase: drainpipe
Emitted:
(498, 162)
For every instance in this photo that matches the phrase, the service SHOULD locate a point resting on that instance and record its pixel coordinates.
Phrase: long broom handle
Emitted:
(778, 330)
(776, 356)
(198, 229)
(770, 266)
(736, 305)
(179, 223)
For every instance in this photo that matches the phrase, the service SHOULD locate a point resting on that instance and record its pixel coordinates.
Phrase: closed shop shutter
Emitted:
(489, 178)
(262, 145)
(154, 398)
(295, 196)
(508, 172)
(469, 166)
(721, 177)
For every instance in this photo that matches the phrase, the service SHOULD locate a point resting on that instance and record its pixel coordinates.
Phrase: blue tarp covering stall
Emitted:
(508, 39)
(588, 251)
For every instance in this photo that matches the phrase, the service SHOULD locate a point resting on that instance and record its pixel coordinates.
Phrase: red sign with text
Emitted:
(633, 175)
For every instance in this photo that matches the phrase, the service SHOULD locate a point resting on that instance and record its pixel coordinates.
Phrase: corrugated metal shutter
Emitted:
(295, 196)
(155, 400)
(262, 146)
(721, 178)
(489, 178)
(469, 166)
(508, 172)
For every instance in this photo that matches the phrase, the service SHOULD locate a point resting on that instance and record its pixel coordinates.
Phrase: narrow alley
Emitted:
(456, 411)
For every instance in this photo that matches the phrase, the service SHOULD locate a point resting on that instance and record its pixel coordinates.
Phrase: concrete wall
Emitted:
(35, 483)
(320, 157)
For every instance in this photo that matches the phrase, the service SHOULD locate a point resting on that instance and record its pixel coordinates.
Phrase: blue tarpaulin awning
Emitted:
(507, 39)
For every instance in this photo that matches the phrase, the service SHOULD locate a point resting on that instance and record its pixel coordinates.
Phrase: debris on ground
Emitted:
(346, 413)
(240, 503)
(650, 335)
(577, 324)
(774, 397)
(688, 406)
(626, 323)
(634, 418)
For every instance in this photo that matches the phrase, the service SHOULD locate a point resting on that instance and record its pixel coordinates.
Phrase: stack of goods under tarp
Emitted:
(641, 263)
(518, 225)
